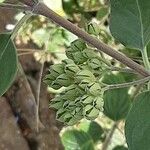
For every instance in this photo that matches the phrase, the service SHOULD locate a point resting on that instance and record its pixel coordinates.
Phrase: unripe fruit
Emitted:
(71, 69)
(92, 28)
(84, 75)
(63, 80)
(78, 45)
(94, 89)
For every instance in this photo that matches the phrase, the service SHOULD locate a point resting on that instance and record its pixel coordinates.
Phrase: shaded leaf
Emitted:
(8, 62)
(116, 101)
(130, 22)
(77, 140)
(137, 129)
(93, 129)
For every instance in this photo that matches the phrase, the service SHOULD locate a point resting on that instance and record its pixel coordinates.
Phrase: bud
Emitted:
(61, 114)
(78, 45)
(63, 80)
(78, 57)
(90, 112)
(71, 120)
(83, 84)
(94, 89)
(72, 106)
(87, 99)
(66, 105)
(67, 61)
(55, 85)
(89, 53)
(71, 93)
(56, 103)
(98, 103)
(49, 79)
(84, 75)
(69, 53)
(56, 70)
(92, 28)
(71, 69)
(78, 101)
(94, 63)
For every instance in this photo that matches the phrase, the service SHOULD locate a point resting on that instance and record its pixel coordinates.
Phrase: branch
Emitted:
(41, 9)
(123, 85)
(109, 136)
(13, 6)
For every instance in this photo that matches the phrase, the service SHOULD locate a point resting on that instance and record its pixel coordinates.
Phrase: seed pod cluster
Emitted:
(79, 74)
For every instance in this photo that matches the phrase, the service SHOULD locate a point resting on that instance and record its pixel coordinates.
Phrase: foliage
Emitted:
(84, 78)
(8, 62)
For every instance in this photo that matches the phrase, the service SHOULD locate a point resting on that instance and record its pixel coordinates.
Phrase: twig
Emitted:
(127, 70)
(38, 97)
(123, 85)
(109, 136)
(13, 6)
(41, 9)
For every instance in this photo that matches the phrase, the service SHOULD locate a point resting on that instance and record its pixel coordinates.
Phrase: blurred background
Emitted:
(40, 42)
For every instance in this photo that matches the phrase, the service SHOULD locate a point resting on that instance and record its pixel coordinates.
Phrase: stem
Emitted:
(38, 97)
(123, 85)
(127, 70)
(145, 59)
(20, 24)
(146, 62)
(42, 9)
(109, 136)
(13, 6)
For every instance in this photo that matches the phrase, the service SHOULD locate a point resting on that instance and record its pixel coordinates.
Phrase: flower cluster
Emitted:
(80, 74)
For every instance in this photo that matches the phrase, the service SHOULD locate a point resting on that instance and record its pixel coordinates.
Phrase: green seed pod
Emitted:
(61, 114)
(89, 53)
(71, 69)
(71, 120)
(92, 28)
(78, 101)
(66, 105)
(69, 53)
(48, 81)
(90, 112)
(63, 80)
(49, 77)
(55, 85)
(72, 106)
(87, 99)
(56, 70)
(78, 45)
(83, 84)
(94, 63)
(94, 89)
(56, 103)
(71, 93)
(79, 58)
(67, 61)
(84, 75)
(98, 103)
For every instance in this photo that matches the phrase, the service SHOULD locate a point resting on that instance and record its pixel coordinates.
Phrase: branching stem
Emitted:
(41, 9)
(124, 85)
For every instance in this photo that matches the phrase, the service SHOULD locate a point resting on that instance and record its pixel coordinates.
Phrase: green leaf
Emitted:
(8, 62)
(116, 101)
(93, 129)
(77, 140)
(130, 22)
(120, 147)
(137, 128)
